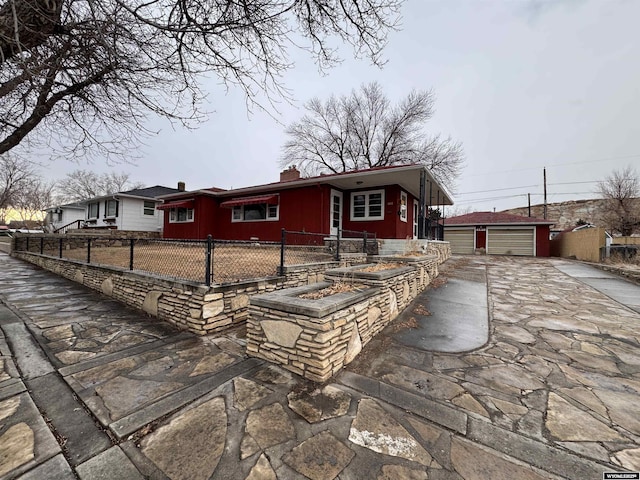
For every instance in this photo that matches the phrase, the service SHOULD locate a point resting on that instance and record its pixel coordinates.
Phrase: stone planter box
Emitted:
(427, 264)
(401, 284)
(314, 338)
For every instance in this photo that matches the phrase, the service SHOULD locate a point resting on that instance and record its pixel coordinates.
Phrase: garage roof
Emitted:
(493, 218)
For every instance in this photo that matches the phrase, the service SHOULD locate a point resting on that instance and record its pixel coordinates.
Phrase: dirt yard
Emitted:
(231, 263)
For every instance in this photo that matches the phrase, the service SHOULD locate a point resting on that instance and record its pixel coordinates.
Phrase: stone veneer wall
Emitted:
(187, 305)
(439, 248)
(314, 347)
(51, 242)
(282, 328)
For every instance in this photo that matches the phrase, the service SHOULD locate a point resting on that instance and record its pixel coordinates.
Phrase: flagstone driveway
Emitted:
(89, 388)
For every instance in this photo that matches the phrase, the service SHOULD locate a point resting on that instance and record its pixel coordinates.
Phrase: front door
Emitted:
(415, 219)
(336, 212)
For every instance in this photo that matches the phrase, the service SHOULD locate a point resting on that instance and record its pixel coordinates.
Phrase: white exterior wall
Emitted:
(68, 215)
(131, 216)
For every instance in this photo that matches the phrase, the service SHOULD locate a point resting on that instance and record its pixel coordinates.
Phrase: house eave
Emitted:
(361, 179)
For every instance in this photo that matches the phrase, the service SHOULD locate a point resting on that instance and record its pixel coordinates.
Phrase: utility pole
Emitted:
(544, 173)
(529, 197)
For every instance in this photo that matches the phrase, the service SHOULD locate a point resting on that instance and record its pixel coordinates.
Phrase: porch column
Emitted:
(423, 200)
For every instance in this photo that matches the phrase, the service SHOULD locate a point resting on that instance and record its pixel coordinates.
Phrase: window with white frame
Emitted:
(93, 210)
(403, 206)
(367, 205)
(255, 212)
(110, 208)
(149, 208)
(179, 215)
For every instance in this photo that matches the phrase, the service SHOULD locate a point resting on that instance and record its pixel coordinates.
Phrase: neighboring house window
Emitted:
(110, 208)
(403, 206)
(367, 205)
(93, 210)
(178, 215)
(149, 208)
(252, 213)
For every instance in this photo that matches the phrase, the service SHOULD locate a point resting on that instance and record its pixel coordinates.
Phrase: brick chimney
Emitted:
(290, 174)
(181, 186)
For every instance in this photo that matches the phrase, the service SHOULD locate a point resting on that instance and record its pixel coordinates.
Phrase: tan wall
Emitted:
(626, 240)
(583, 245)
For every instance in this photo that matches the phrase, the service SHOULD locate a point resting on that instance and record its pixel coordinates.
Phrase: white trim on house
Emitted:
(333, 229)
(189, 215)
(367, 206)
(416, 213)
(404, 206)
(238, 213)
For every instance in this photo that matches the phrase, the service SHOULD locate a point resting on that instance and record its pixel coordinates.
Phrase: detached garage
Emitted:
(498, 234)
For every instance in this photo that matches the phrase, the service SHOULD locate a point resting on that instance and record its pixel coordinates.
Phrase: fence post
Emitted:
(364, 242)
(27, 244)
(207, 261)
(89, 250)
(283, 242)
(60, 248)
(338, 247)
(41, 245)
(131, 242)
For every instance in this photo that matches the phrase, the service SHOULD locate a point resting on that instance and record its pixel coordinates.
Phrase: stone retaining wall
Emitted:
(441, 249)
(318, 340)
(187, 305)
(315, 338)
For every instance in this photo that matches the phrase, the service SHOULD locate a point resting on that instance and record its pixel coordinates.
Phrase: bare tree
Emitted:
(80, 76)
(15, 175)
(363, 130)
(31, 200)
(83, 184)
(621, 190)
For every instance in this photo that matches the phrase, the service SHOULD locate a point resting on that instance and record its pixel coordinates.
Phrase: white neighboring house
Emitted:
(133, 210)
(64, 215)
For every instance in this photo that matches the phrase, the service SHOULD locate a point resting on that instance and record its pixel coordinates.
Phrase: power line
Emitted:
(479, 200)
(574, 183)
(555, 165)
(498, 189)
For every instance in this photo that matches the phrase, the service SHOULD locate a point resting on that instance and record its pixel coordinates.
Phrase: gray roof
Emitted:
(150, 192)
(75, 205)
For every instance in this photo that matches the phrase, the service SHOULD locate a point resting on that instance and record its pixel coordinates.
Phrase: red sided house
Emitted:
(385, 201)
(498, 234)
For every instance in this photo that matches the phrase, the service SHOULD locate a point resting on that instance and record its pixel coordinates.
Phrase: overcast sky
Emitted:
(522, 84)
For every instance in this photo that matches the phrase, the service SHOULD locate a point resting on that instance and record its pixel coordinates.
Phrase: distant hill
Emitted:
(566, 214)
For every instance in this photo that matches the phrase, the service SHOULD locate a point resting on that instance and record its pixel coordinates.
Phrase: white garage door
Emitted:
(511, 241)
(461, 240)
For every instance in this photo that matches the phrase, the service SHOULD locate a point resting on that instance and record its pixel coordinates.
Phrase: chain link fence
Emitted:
(203, 261)
(304, 247)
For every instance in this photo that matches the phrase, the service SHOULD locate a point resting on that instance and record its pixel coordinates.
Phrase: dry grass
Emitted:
(378, 267)
(338, 287)
(231, 263)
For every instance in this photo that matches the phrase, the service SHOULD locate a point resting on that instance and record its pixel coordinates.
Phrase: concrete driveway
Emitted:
(91, 389)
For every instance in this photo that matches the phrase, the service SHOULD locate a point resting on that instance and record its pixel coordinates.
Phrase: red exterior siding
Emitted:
(391, 226)
(203, 220)
(301, 209)
(543, 244)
